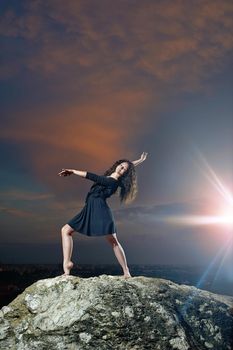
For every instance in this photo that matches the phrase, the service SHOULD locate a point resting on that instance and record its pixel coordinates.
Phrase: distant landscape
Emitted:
(16, 277)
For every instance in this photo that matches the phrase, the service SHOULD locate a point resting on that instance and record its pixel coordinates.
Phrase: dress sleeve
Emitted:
(100, 179)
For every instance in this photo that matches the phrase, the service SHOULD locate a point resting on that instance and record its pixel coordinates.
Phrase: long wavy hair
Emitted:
(127, 188)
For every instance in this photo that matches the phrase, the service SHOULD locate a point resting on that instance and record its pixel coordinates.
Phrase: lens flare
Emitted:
(197, 220)
(222, 216)
(226, 215)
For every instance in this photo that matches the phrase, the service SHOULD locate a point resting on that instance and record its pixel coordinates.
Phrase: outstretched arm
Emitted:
(100, 179)
(141, 159)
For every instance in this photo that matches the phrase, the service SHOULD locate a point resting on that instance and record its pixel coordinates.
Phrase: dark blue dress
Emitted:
(96, 218)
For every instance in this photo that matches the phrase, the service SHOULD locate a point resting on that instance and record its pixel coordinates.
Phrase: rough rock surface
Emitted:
(111, 313)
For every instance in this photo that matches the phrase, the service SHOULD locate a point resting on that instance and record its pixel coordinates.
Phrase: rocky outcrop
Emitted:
(111, 313)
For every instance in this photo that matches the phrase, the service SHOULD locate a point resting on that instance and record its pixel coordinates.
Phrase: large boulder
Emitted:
(113, 313)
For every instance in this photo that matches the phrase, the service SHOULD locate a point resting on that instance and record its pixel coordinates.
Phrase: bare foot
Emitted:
(65, 275)
(67, 267)
(127, 274)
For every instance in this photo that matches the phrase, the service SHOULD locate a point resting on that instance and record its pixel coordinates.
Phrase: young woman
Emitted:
(96, 218)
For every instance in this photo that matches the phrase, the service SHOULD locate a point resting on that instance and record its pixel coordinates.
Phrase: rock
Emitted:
(113, 313)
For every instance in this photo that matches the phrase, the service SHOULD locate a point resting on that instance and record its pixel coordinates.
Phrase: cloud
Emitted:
(16, 194)
(158, 212)
(19, 213)
(83, 136)
(165, 40)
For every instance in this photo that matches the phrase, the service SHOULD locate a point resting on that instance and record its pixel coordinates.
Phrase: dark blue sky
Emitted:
(83, 84)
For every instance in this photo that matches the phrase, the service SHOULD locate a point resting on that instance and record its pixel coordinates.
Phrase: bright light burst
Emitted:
(193, 220)
(224, 216)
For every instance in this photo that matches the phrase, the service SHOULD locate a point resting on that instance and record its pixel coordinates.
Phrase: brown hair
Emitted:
(127, 189)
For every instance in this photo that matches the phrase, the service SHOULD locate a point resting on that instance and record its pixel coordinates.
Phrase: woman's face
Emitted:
(121, 168)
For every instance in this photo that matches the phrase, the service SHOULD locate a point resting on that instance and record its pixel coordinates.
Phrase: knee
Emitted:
(63, 231)
(66, 231)
(112, 240)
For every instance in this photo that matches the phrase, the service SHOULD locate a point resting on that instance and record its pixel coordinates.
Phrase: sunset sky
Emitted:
(84, 83)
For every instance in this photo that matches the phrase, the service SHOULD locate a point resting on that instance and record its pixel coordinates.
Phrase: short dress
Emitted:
(96, 218)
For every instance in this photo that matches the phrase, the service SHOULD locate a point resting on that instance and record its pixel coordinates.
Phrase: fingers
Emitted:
(64, 172)
(144, 155)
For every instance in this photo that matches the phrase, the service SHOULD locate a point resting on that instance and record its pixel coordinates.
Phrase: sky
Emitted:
(84, 83)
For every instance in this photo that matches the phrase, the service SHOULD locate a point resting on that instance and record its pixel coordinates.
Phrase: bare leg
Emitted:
(119, 252)
(67, 245)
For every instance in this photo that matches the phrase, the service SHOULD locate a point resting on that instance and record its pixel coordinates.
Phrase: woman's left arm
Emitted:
(142, 158)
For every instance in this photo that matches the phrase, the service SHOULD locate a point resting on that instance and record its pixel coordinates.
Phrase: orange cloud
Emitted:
(17, 212)
(16, 194)
(86, 136)
(97, 36)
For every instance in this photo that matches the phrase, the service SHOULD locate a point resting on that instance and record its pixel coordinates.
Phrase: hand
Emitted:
(65, 172)
(143, 156)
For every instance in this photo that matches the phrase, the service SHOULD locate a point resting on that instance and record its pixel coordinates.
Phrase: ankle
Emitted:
(67, 262)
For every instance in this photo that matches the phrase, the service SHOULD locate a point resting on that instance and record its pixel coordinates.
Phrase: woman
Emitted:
(96, 218)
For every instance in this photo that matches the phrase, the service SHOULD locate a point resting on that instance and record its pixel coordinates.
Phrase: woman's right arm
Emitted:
(100, 179)
(66, 172)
